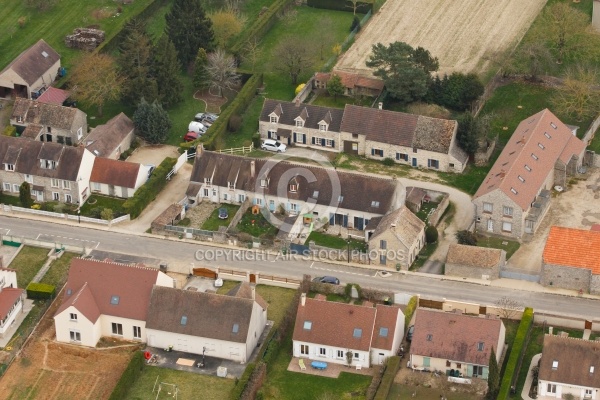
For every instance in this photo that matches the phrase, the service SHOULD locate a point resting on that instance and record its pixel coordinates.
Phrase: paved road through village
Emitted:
(181, 255)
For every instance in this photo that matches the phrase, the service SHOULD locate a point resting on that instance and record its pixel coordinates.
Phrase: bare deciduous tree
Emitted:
(508, 307)
(294, 56)
(533, 59)
(579, 95)
(221, 71)
(251, 51)
(353, 5)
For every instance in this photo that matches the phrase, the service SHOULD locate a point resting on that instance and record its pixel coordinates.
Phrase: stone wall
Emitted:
(444, 200)
(482, 156)
(498, 199)
(566, 277)
(472, 272)
(595, 285)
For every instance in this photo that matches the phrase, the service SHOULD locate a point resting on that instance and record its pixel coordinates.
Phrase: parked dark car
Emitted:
(409, 334)
(327, 279)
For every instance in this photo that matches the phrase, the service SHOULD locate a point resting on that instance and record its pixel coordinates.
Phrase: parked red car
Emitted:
(190, 136)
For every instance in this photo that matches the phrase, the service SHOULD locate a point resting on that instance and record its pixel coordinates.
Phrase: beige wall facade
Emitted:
(565, 277)
(395, 251)
(10, 78)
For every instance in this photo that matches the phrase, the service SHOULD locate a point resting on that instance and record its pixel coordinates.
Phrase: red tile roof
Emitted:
(595, 227)
(115, 172)
(529, 156)
(53, 95)
(386, 318)
(92, 284)
(455, 337)
(8, 297)
(572, 247)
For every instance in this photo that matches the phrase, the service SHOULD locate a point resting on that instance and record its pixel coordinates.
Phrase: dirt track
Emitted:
(458, 32)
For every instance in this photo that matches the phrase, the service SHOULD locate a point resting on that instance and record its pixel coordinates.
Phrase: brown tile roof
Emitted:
(103, 280)
(351, 80)
(524, 165)
(454, 336)
(115, 172)
(358, 191)
(33, 112)
(288, 112)
(415, 195)
(208, 315)
(54, 95)
(575, 358)
(30, 152)
(244, 291)
(32, 63)
(572, 247)
(8, 297)
(168, 216)
(104, 139)
(473, 256)
(386, 318)
(334, 324)
(404, 225)
(32, 131)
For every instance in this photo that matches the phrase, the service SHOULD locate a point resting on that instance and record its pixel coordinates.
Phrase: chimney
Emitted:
(253, 288)
(297, 102)
(252, 168)
(380, 105)
(550, 329)
(303, 299)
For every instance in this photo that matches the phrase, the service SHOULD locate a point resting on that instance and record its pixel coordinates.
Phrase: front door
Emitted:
(359, 223)
(111, 190)
(528, 226)
(381, 358)
(39, 195)
(350, 147)
(414, 162)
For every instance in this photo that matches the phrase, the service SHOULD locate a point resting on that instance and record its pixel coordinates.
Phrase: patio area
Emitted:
(332, 370)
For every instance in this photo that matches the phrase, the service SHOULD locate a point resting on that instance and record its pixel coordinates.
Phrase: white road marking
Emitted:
(337, 270)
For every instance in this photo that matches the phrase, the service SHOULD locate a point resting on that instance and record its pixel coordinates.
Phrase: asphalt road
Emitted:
(182, 255)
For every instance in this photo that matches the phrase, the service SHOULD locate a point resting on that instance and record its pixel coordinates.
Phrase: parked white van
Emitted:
(197, 127)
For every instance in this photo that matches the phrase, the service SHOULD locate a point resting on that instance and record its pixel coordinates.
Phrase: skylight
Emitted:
(340, 198)
(429, 337)
(316, 194)
(69, 292)
(114, 300)
(554, 364)
(45, 54)
(480, 346)
(592, 369)
(375, 204)
(514, 190)
(236, 328)
(521, 178)
(534, 156)
(383, 332)
(527, 167)
(308, 325)
(357, 333)
(183, 320)
(547, 135)
(541, 146)
(553, 125)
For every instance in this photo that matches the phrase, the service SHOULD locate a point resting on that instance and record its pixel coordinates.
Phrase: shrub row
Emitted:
(129, 377)
(241, 383)
(515, 353)
(260, 27)
(236, 107)
(148, 191)
(40, 291)
(410, 310)
(362, 7)
(393, 365)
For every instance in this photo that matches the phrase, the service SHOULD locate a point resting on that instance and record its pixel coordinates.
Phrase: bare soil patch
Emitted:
(416, 379)
(459, 32)
(46, 369)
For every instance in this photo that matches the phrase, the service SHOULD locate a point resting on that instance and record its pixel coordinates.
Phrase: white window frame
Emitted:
(241, 198)
(273, 119)
(490, 226)
(293, 207)
(73, 317)
(115, 327)
(66, 185)
(79, 133)
(54, 182)
(15, 188)
(488, 207)
(7, 187)
(137, 332)
(322, 351)
(206, 192)
(68, 198)
(9, 167)
(323, 127)
(299, 123)
(225, 196)
(55, 196)
(340, 354)
(551, 388)
(75, 335)
(507, 211)
(328, 142)
(258, 201)
(97, 186)
(29, 178)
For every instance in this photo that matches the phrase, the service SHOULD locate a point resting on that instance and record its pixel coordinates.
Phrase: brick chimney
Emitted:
(380, 105)
(297, 102)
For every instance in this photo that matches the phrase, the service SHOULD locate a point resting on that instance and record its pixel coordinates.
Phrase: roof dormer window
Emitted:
(375, 204)
(293, 187)
(48, 164)
(263, 183)
(274, 119)
(231, 185)
(299, 123)
(207, 181)
(323, 127)
(9, 167)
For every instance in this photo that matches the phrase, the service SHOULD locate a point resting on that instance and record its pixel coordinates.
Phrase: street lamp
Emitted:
(348, 242)
(79, 215)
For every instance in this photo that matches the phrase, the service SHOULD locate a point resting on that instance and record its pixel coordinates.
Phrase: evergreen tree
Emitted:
(493, 377)
(201, 77)
(166, 69)
(135, 63)
(466, 134)
(335, 87)
(151, 121)
(189, 28)
(25, 195)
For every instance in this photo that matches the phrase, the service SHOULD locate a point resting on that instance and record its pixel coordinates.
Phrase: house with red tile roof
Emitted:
(54, 96)
(569, 366)
(346, 334)
(456, 344)
(11, 298)
(515, 194)
(408, 139)
(354, 84)
(117, 178)
(571, 259)
(33, 68)
(103, 298)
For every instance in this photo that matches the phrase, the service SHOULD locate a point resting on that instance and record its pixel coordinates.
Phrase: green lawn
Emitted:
(424, 255)
(327, 101)
(497, 243)
(283, 384)
(335, 242)
(595, 144)
(256, 225)
(59, 270)
(423, 213)
(401, 391)
(10, 200)
(27, 263)
(243, 137)
(190, 385)
(54, 25)
(102, 202)
(213, 222)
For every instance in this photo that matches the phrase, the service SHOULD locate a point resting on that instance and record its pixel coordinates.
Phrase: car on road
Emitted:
(190, 136)
(409, 334)
(197, 127)
(223, 213)
(273, 145)
(327, 279)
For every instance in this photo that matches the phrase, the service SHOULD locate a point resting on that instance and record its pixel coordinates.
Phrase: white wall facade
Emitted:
(8, 278)
(89, 332)
(378, 356)
(557, 390)
(127, 327)
(111, 190)
(12, 316)
(83, 177)
(331, 354)
(9, 78)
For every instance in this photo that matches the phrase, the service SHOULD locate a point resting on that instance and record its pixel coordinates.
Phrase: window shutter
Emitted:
(333, 143)
(381, 153)
(372, 152)
(323, 142)
(294, 137)
(313, 140)
(303, 138)
(331, 219)
(345, 221)
(397, 156)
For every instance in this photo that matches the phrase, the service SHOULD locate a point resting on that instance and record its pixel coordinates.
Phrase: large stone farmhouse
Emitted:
(408, 139)
(515, 194)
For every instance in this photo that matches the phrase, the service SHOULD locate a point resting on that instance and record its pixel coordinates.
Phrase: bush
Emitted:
(348, 290)
(410, 310)
(431, 234)
(234, 123)
(515, 353)
(241, 383)
(388, 161)
(129, 377)
(107, 214)
(10, 131)
(256, 140)
(393, 365)
(148, 191)
(40, 291)
(466, 237)
(355, 24)
(362, 7)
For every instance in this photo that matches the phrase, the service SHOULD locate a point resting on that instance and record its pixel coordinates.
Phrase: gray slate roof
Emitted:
(105, 138)
(34, 62)
(288, 112)
(574, 357)
(33, 112)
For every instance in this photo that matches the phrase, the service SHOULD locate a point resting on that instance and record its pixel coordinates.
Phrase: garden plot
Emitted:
(459, 32)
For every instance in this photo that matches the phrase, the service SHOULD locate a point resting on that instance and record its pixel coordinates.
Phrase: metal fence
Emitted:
(505, 273)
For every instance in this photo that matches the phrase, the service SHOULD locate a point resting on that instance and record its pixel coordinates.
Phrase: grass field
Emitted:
(54, 25)
(59, 270)
(256, 225)
(190, 385)
(243, 137)
(328, 101)
(27, 263)
(214, 222)
(335, 242)
(102, 202)
(496, 243)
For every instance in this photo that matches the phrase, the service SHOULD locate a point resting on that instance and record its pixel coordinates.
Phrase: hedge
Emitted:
(393, 365)
(410, 310)
(260, 27)
(40, 291)
(236, 107)
(240, 385)
(148, 191)
(362, 7)
(129, 377)
(515, 353)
